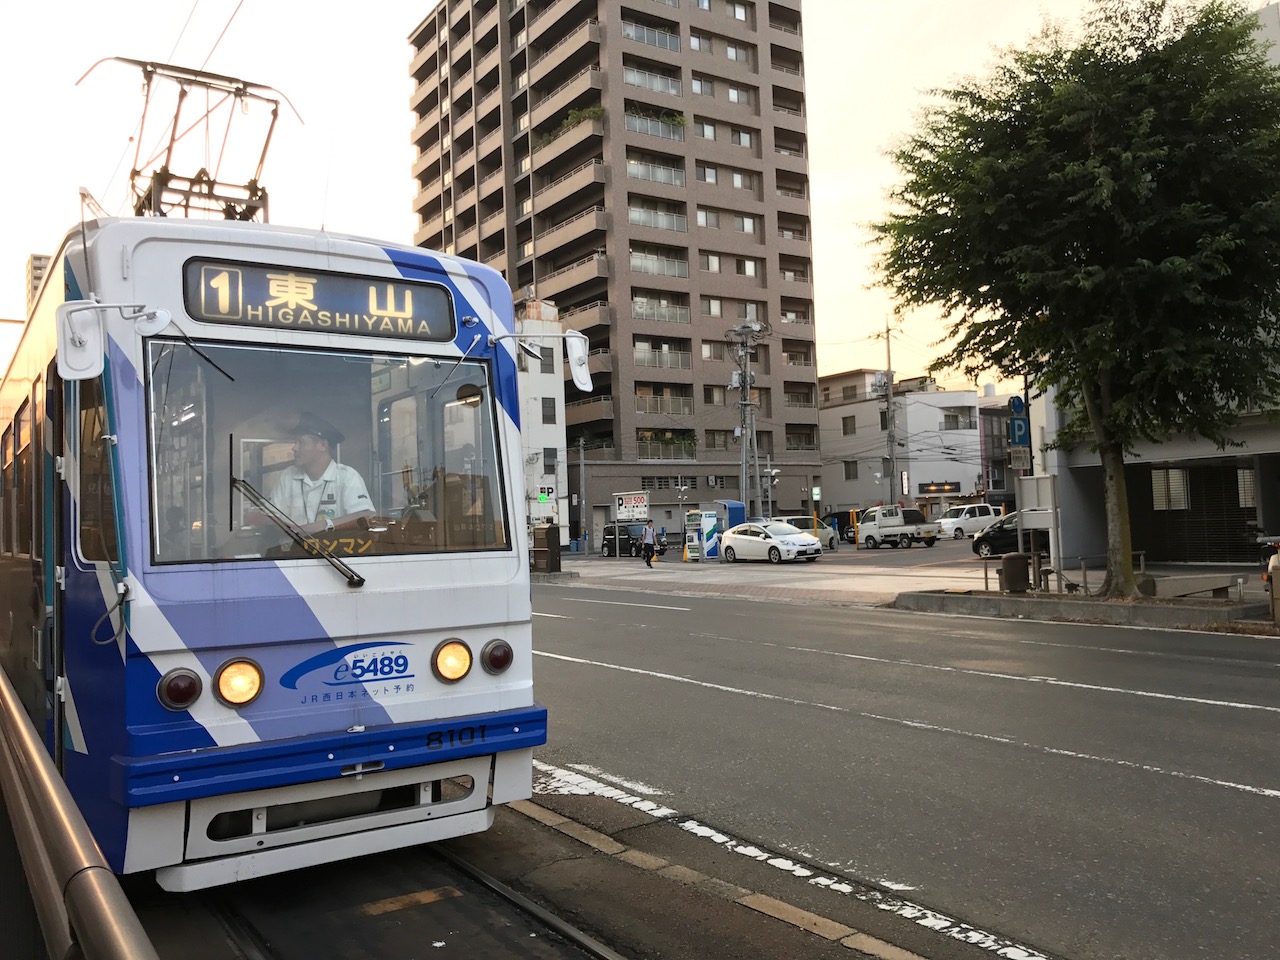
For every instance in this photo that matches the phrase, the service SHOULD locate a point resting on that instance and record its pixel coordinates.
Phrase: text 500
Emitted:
(373, 667)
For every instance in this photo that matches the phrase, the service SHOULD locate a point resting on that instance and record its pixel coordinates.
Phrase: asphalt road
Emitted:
(1090, 792)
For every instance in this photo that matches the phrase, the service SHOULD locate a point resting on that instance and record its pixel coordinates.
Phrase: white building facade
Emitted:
(542, 427)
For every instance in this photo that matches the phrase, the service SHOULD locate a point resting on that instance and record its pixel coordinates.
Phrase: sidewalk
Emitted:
(863, 585)
(950, 587)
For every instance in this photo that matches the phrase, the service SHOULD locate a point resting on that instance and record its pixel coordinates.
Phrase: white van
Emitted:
(967, 519)
(825, 534)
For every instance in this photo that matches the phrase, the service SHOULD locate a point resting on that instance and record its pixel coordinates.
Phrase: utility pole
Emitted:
(893, 455)
(747, 413)
(582, 493)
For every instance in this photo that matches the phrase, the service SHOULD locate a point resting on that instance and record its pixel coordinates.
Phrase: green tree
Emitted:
(1102, 215)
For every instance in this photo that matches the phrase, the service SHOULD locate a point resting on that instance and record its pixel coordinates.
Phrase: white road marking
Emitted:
(921, 725)
(619, 603)
(555, 780)
(554, 616)
(1050, 681)
(630, 785)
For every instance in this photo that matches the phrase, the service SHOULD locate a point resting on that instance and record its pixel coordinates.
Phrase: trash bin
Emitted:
(553, 548)
(541, 555)
(1015, 572)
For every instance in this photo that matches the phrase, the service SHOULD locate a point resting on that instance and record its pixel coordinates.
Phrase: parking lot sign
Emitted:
(631, 506)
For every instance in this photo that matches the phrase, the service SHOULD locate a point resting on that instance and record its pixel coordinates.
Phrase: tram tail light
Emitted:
(496, 656)
(179, 689)
(451, 661)
(238, 682)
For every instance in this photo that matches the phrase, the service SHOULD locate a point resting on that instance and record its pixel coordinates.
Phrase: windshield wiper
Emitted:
(296, 533)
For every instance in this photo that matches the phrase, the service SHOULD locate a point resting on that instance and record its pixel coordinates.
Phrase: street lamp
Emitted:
(772, 477)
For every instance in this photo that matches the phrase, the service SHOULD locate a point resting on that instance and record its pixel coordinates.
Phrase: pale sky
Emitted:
(344, 67)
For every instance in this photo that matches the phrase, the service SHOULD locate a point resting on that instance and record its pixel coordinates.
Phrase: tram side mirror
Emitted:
(80, 340)
(575, 349)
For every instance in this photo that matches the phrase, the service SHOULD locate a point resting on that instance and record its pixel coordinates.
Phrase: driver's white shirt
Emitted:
(340, 490)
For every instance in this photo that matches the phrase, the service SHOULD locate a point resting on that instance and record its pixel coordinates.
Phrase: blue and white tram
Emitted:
(232, 689)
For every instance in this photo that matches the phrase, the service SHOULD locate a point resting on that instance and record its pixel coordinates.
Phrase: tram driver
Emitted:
(316, 492)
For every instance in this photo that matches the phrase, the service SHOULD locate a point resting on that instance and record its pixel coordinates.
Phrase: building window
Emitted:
(849, 393)
(548, 361)
(709, 262)
(706, 173)
(707, 131)
(704, 86)
(738, 11)
(708, 218)
(737, 53)
(700, 42)
(549, 461)
(719, 439)
(851, 469)
(714, 350)
(740, 95)
(744, 223)
(1245, 488)
(548, 409)
(714, 396)
(743, 180)
(741, 138)
(704, 4)
(1169, 489)
(749, 310)
(746, 267)
(712, 306)
(848, 426)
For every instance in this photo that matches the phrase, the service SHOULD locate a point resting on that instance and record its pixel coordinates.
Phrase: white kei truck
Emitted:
(896, 526)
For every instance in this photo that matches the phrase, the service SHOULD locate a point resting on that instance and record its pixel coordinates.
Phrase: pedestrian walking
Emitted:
(650, 544)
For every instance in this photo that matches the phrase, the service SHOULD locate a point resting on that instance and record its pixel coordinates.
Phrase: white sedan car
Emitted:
(772, 540)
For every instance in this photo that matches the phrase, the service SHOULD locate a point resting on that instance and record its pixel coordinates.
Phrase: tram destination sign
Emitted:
(290, 298)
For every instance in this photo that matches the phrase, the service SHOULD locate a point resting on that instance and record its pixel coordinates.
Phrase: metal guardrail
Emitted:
(82, 911)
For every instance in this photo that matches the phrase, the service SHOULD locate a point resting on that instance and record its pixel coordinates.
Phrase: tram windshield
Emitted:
(260, 451)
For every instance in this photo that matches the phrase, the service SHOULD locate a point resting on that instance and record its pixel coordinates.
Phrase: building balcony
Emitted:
(667, 406)
(553, 56)
(587, 175)
(660, 312)
(493, 223)
(589, 221)
(665, 359)
(548, 17)
(600, 361)
(559, 100)
(428, 128)
(598, 314)
(665, 450)
(570, 140)
(565, 278)
(466, 236)
(588, 410)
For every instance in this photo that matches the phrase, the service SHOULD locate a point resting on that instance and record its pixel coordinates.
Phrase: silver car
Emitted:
(772, 540)
(825, 534)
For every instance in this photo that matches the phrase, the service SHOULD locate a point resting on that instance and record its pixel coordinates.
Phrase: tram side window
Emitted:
(6, 489)
(23, 479)
(97, 500)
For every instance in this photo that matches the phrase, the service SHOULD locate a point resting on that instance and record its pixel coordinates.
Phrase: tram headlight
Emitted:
(238, 682)
(451, 661)
(496, 656)
(179, 689)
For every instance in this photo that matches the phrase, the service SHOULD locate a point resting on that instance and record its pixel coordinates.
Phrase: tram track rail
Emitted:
(458, 896)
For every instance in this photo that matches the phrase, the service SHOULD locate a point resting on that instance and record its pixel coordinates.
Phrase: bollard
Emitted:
(1273, 571)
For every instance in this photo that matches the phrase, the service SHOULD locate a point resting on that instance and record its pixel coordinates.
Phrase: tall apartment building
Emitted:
(643, 165)
(37, 264)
